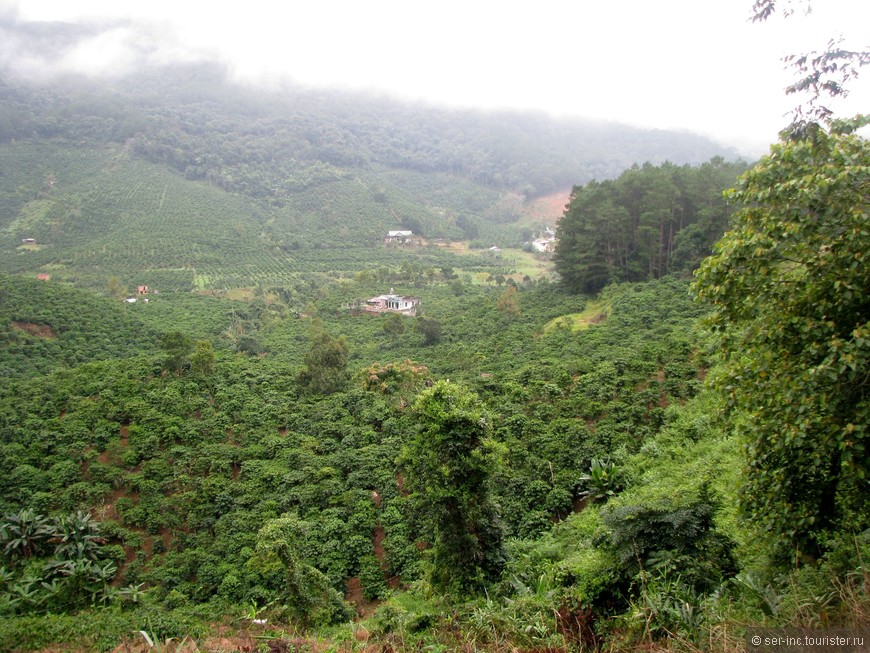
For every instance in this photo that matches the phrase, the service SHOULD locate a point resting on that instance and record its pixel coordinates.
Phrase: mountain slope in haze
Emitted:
(178, 178)
(206, 127)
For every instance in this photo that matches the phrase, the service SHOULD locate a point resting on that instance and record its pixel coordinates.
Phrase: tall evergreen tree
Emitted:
(651, 221)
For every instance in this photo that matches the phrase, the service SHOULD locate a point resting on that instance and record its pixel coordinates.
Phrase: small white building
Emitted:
(391, 303)
(546, 243)
(398, 236)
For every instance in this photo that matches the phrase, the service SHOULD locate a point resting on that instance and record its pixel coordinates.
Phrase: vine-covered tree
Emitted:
(791, 297)
(448, 468)
(305, 590)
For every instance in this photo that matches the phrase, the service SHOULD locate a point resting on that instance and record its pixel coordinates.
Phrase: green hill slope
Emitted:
(45, 325)
(98, 212)
(177, 177)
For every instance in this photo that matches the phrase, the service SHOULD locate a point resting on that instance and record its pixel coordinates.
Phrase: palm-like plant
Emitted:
(603, 480)
(25, 591)
(73, 576)
(79, 537)
(132, 593)
(5, 576)
(23, 534)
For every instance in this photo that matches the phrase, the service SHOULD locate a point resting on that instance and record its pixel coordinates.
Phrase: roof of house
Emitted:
(395, 234)
(407, 298)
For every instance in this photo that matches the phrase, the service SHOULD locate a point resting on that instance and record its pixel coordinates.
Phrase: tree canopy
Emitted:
(448, 471)
(651, 221)
(789, 290)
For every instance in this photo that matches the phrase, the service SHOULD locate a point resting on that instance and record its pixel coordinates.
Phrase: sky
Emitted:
(698, 65)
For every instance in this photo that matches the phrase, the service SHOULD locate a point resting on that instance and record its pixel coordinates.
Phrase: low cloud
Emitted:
(41, 52)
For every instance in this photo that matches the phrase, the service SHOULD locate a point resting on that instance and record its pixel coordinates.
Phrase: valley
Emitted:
(207, 444)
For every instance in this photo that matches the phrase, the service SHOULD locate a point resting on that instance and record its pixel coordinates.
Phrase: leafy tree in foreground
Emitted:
(818, 74)
(306, 591)
(791, 296)
(448, 469)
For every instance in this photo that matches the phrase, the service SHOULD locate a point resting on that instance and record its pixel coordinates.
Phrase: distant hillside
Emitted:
(45, 325)
(273, 144)
(180, 179)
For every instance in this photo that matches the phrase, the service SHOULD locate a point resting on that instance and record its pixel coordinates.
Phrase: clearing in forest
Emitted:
(596, 311)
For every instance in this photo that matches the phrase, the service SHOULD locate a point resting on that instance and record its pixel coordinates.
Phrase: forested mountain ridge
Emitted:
(208, 128)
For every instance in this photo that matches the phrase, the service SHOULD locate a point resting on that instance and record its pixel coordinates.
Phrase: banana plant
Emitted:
(79, 537)
(603, 480)
(23, 534)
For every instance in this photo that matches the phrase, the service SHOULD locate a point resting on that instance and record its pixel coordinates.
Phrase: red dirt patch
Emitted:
(354, 595)
(244, 643)
(107, 511)
(579, 503)
(378, 541)
(400, 483)
(550, 207)
(36, 330)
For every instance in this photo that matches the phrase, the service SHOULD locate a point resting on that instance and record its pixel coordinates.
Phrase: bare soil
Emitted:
(36, 330)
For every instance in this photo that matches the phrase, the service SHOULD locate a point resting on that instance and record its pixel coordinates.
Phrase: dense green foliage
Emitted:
(790, 289)
(187, 467)
(649, 222)
(263, 448)
(45, 324)
(448, 473)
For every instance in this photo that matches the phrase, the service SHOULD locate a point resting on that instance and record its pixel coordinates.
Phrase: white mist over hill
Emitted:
(673, 64)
